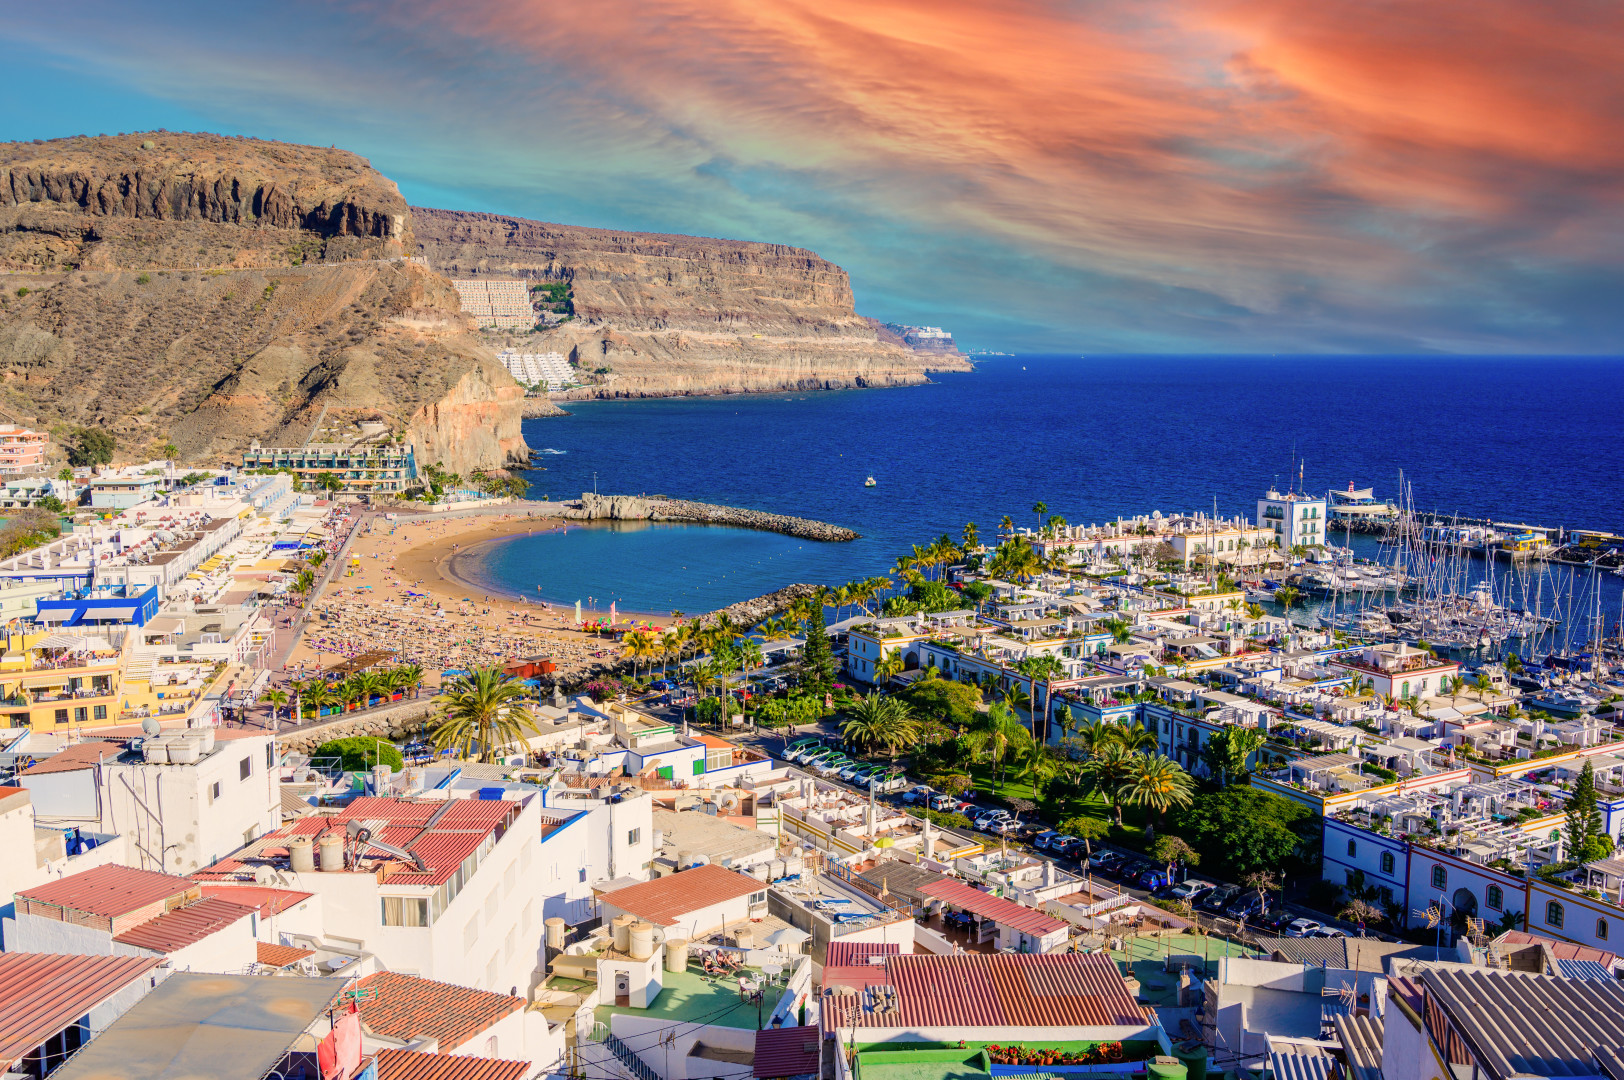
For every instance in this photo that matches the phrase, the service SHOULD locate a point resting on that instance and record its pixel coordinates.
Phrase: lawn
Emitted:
(1062, 804)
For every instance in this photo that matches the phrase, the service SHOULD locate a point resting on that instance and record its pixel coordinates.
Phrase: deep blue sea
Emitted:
(1533, 440)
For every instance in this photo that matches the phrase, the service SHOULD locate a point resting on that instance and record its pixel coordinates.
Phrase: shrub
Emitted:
(143, 279)
(22, 290)
(359, 753)
(601, 690)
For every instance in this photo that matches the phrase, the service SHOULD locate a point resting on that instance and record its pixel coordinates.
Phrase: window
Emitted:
(214, 791)
(1387, 862)
(99, 712)
(699, 766)
(405, 911)
(1601, 929)
(1353, 848)
(1440, 877)
(61, 716)
(80, 715)
(510, 879)
(1494, 897)
(245, 769)
(758, 898)
(470, 933)
(633, 836)
(1553, 914)
(1386, 894)
(583, 874)
(491, 903)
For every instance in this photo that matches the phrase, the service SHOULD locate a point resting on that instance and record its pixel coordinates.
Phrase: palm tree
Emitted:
(483, 708)
(1040, 508)
(304, 582)
(994, 733)
(1157, 782)
(1108, 770)
(1134, 737)
(276, 698)
(1286, 596)
(971, 537)
(888, 665)
(880, 721)
(1119, 629)
(1007, 524)
(410, 676)
(1036, 766)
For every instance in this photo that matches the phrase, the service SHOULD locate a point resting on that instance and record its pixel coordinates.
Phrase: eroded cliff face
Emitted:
(682, 314)
(169, 200)
(209, 292)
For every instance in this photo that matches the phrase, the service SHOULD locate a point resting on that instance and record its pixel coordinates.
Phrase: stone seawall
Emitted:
(594, 507)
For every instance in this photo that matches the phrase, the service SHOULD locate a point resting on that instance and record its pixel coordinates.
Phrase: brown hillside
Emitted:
(209, 291)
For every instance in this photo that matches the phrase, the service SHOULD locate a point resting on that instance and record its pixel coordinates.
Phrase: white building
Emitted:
(1292, 518)
(201, 802)
(550, 370)
(1399, 670)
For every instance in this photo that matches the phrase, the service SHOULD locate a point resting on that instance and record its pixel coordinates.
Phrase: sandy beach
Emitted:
(398, 591)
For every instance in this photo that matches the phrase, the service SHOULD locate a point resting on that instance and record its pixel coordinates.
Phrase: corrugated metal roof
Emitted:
(415, 1065)
(109, 891)
(280, 956)
(41, 994)
(1584, 969)
(1003, 990)
(406, 1006)
(1292, 1062)
(174, 930)
(1361, 1038)
(265, 900)
(225, 1027)
(854, 953)
(665, 900)
(790, 1051)
(78, 756)
(1003, 912)
(1351, 953)
(1523, 1024)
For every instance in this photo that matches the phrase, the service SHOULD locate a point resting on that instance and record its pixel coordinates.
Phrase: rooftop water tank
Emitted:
(331, 849)
(621, 926)
(184, 751)
(155, 751)
(302, 855)
(676, 954)
(642, 941)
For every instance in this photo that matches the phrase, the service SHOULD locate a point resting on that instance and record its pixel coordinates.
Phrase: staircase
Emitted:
(630, 1060)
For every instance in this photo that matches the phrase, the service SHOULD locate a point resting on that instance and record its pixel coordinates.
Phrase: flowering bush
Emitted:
(601, 690)
(1104, 1053)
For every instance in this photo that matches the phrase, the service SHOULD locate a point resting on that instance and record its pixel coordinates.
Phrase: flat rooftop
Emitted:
(692, 997)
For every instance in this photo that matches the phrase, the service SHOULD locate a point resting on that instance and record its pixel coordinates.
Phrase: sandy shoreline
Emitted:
(397, 591)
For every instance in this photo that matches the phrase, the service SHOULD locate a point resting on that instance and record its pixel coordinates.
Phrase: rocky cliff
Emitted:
(208, 291)
(681, 314)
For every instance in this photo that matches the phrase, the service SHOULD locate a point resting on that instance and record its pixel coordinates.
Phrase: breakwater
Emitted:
(593, 507)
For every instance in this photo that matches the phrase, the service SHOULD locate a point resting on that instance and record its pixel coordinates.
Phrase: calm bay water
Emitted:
(1532, 440)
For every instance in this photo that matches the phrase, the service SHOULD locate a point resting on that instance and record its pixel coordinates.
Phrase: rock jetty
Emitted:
(749, 612)
(595, 507)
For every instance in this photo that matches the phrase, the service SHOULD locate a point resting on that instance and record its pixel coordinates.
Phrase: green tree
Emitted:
(1225, 754)
(1246, 829)
(91, 446)
(876, 721)
(1107, 772)
(1170, 850)
(1040, 508)
(817, 660)
(996, 733)
(971, 537)
(1157, 783)
(275, 698)
(483, 709)
(889, 665)
(1286, 596)
(329, 482)
(1587, 839)
(1086, 828)
(951, 704)
(359, 753)
(170, 452)
(52, 503)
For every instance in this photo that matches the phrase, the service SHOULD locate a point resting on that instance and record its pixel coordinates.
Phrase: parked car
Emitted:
(1190, 889)
(983, 813)
(943, 801)
(1275, 921)
(856, 773)
(1043, 839)
(918, 795)
(1104, 860)
(1303, 928)
(834, 767)
(1328, 931)
(1247, 906)
(1218, 899)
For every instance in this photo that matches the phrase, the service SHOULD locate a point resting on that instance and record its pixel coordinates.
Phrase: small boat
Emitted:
(869, 482)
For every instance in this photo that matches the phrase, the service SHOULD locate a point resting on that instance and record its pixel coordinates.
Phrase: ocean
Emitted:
(1534, 440)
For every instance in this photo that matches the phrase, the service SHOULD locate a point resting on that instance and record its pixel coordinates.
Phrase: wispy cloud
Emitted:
(1163, 174)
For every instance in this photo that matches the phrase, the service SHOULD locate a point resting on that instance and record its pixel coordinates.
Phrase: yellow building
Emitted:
(56, 681)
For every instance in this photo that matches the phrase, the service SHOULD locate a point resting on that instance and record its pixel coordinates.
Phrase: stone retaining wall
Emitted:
(397, 722)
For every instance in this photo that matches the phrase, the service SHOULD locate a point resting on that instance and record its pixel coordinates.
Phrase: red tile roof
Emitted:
(791, 1051)
(1003, 990)
(265, 900)
(280, 956)
(73, 758)
(109, 891)
(664, 900)
(174, 930)
(42, 994)
(847, 963)
(1562, 950)
(406, 1007)
(1003, 912)
(416, 1065)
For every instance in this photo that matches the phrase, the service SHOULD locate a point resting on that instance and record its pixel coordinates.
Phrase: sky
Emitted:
(1224, 176)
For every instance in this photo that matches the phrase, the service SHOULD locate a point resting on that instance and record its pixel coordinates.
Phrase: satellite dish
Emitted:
(150, 726)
